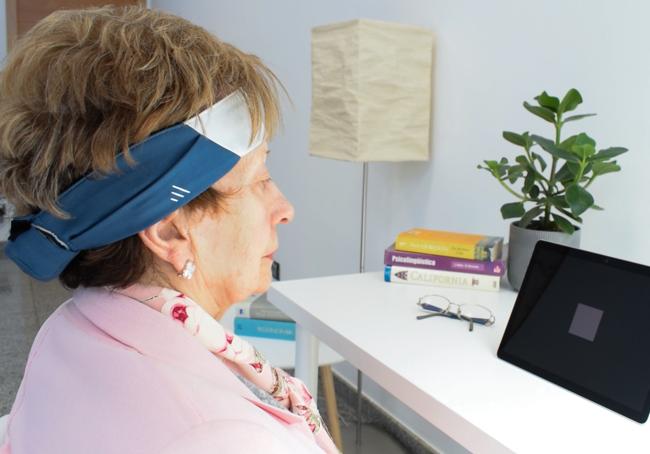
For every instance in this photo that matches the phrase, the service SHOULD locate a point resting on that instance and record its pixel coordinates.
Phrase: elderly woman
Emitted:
(134, 143)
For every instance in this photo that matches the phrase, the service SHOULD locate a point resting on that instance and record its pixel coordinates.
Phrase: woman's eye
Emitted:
(266, 181)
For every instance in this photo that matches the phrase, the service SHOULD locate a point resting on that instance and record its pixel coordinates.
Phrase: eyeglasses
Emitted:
(440, 305)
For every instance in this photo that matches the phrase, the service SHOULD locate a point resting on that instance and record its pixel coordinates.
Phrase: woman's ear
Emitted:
(168, 240)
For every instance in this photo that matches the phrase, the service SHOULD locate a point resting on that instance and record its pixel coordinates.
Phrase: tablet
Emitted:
(582, 321)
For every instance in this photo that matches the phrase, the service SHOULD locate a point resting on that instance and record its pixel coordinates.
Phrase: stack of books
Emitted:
(445, 259)
(259, 318)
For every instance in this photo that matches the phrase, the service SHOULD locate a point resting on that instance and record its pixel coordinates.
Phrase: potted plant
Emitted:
(550, 181)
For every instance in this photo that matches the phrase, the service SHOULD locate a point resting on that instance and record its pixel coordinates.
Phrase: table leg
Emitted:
(330, 402)
(307, 359)
(359, 397)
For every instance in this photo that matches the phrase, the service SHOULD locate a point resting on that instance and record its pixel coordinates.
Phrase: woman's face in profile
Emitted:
(235, 247)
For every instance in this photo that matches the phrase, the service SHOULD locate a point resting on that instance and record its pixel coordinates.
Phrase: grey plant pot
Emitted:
(521, 245)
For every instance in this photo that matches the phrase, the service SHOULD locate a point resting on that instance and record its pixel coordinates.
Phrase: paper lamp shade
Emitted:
(371, 91)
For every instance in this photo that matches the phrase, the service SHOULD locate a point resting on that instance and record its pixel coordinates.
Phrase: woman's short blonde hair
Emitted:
(81, 86)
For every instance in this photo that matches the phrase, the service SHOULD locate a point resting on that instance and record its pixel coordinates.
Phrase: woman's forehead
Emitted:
(245, 170)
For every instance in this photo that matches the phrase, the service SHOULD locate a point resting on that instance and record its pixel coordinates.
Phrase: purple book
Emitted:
(439, 262)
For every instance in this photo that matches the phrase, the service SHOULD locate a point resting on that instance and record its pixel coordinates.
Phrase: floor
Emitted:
(22, 317)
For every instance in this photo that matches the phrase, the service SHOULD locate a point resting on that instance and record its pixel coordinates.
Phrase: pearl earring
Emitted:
(188, 270)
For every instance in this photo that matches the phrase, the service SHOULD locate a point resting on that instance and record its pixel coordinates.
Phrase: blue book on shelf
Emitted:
(271, 329)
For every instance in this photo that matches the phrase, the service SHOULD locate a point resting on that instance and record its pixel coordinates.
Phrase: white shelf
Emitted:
(280, 353)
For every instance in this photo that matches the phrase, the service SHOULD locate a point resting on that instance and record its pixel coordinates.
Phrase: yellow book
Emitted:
(450, 244)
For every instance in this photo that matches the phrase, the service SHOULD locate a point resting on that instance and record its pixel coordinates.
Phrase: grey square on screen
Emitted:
(585, 322)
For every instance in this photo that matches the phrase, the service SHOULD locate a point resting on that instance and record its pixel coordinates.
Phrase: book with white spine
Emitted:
(409, 275)
(261, 308)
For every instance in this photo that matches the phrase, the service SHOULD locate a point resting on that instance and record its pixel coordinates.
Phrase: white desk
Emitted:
(448, 375)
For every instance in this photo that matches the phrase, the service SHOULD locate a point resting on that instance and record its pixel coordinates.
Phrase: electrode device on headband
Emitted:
(172, 167)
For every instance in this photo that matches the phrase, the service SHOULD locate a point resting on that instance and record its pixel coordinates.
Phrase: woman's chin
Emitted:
(264, 281)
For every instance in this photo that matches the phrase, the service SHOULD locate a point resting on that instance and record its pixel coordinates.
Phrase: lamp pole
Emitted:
(362, 268)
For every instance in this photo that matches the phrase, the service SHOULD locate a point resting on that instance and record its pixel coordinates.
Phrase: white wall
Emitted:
(490, 57)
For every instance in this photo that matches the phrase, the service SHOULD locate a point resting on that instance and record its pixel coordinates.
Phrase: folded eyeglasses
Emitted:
(439, 305)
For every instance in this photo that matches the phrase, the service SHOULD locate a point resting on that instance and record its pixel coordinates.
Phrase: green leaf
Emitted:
(608, 153)
(529, 216)
(601, 168)
(578, 199)
(574, 168)
(534, 192)
(515, 138)
(512, 210)
(597, 208)
(559, 201)
(584, 139)
(542, 163)
(492, 165)
(570, 101)
(515, 172)
(577, 117)
(563, 223)
(550, 102)
(541, 112)
(528, 182)
(495, 168)
(554, 150)
(567, 143)
(584, 152)
(523, 161)
(564, 173)
(570, 215)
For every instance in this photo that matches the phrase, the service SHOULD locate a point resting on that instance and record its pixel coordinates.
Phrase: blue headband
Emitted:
(173, 166)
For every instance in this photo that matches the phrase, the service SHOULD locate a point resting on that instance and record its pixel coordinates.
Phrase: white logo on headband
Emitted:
(177, 193)
(228, 124)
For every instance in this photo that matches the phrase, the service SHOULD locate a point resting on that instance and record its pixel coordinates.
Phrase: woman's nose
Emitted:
(285, 211)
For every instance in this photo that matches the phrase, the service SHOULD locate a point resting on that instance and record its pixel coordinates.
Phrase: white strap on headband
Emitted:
(228, 124)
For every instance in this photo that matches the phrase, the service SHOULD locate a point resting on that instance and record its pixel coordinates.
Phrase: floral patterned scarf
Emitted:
(288, 391)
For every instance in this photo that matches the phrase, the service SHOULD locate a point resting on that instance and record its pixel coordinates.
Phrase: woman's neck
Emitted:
(146, 289)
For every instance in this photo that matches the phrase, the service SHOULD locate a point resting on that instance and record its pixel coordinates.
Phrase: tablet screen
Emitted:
(582, 321)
